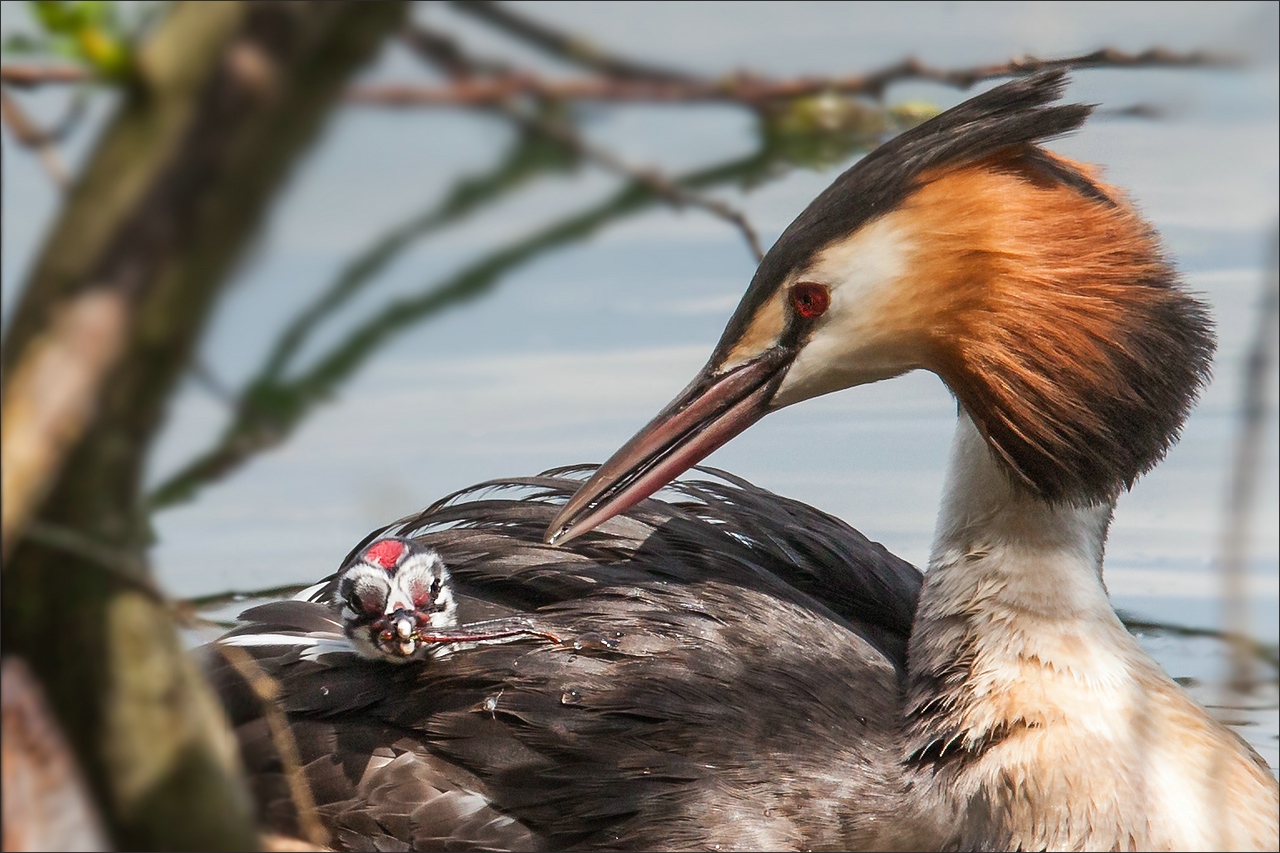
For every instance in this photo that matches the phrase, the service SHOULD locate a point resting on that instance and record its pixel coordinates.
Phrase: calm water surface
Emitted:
(577, 349)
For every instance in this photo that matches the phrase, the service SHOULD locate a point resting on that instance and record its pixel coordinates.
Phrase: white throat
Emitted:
(1033, 715)
(996, 542)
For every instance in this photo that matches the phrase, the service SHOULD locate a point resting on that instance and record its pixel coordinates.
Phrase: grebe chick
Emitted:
(398, 605)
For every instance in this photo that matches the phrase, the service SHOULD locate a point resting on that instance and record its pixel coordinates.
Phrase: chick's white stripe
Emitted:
(309, 592)
(313, 646)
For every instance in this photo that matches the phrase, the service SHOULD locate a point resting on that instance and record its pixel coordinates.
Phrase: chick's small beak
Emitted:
(714, 408)
(397, 633)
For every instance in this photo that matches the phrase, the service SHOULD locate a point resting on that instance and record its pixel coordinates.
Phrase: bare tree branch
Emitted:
(229, 95)
(751, 89)
(742, 87)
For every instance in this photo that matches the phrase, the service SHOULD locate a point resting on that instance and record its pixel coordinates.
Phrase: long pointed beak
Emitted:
(710, 411)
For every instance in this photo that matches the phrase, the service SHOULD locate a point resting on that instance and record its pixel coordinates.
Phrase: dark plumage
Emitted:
(628, 740)
(733, 666)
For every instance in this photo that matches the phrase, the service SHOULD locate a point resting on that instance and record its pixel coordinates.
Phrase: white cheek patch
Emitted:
(857, 341)
(414, 580)
(873, 259)
(370, 586)
(447, 616)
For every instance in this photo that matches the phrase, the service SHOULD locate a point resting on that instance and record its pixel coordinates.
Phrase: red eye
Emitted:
(810, 299)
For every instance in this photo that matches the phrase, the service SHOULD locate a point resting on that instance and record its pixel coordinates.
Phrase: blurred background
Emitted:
(445, 291)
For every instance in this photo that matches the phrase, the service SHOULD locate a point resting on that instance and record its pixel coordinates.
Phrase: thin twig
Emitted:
(443, 53)
(742, 87)
(267, 690)
(1266, 652)
(964, 78)
(28, 135)
(653, 179)
(84, 546)
(202, 373)
(25, 76)
(574, 49)
(751, 89)
(1246, 472)
(447, 55)
(254, 431)
(121, 564)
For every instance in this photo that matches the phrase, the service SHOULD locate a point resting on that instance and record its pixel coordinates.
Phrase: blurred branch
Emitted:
(574, 49)
(267, 691)
(271, 408)
(75, 112)
(267, 411)
(1265, 652)
(742, 87)
(1246, 470)
(655, 181)
(530, 157)
(30, 136)
(127, 564)
(26, 76)
(438, 50)
(47, 805)
(751, 89)
(228, 95)
(209, 381)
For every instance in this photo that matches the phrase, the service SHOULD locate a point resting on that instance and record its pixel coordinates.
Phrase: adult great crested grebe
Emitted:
(751, 673)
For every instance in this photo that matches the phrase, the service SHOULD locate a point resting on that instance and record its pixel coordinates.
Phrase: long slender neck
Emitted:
(999, 546)
(1033, 717)
(1014, 588)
